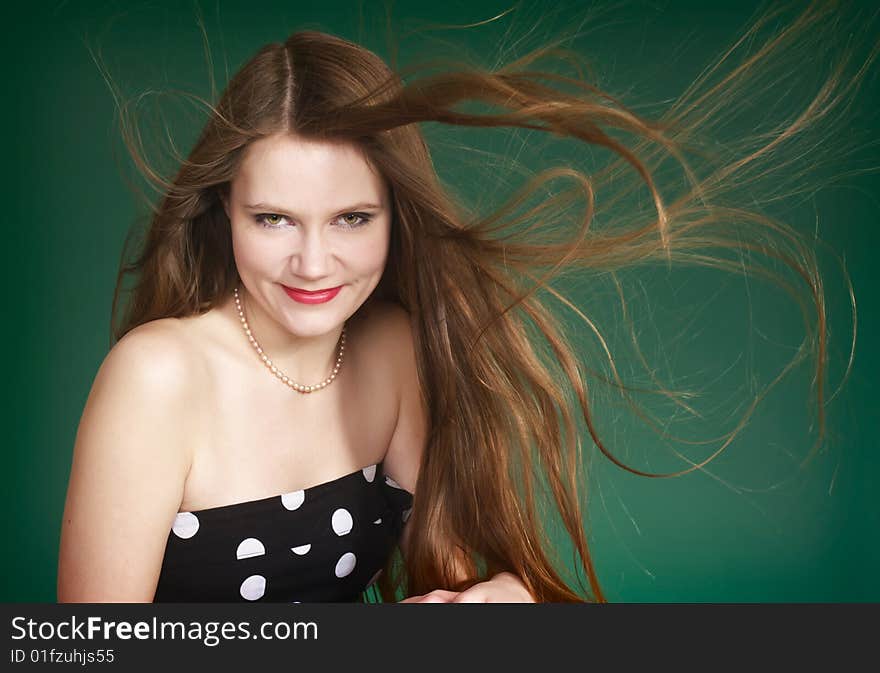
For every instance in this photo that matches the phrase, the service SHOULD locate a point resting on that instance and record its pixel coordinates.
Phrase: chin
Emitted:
(308, 322)
(312, 328)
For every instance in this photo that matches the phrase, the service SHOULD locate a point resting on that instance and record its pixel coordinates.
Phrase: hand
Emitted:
(503, 588)
(436, 596)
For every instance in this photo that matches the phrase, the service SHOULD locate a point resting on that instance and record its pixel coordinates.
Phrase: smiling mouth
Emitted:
(311, 296)
(301, 291)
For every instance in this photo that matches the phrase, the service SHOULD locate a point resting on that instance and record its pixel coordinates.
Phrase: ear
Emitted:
(224, 200)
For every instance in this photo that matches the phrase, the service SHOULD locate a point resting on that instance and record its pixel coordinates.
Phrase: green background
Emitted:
(814, 536)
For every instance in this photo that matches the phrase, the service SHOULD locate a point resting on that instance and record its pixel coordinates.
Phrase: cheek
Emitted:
(369, 255)
(250, 252)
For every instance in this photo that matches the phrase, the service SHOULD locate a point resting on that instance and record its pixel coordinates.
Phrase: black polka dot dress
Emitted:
(326, 543)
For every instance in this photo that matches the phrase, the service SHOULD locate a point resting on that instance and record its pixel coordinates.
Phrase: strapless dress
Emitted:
(326, 543)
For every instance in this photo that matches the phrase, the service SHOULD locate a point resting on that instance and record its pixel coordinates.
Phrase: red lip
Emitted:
(312, 296)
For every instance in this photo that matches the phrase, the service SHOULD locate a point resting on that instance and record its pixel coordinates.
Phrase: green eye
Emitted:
(360, 219)
(269, 219)
(348, 220)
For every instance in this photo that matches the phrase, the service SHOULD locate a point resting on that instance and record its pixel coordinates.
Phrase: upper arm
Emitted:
(129, 467)
(404, 454)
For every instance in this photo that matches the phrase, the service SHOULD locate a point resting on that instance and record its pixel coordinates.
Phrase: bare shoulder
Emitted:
(154, 371)
(388, 341)
(386, 325)
(158, 354)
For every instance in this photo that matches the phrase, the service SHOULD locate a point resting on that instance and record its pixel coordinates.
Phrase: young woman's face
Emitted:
(308, 215)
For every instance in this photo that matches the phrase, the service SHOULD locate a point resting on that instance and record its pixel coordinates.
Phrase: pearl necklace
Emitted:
(277, 372)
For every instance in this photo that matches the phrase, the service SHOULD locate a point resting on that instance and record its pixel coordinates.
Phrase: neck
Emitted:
(305, 360)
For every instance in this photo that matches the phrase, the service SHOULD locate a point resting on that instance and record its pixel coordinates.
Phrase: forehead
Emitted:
(292, 168)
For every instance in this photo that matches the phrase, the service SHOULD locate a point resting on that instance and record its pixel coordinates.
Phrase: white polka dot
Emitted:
(406, 514)
(293, 499)
(253, 588)
(369, 473)
(250, 547)
(302, 549)
(297, 601)
(342, 522)
(392, 483)
(379, 520)
(345, 564)
(186, 524)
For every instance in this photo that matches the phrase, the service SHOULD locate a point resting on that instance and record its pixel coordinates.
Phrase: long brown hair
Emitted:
(503, 382)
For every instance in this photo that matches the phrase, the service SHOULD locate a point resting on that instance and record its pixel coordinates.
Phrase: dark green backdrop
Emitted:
(816, 537)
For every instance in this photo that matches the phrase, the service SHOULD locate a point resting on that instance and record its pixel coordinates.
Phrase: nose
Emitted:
(313, 260)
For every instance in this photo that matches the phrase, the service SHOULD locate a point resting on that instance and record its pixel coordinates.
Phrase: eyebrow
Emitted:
(268, 207)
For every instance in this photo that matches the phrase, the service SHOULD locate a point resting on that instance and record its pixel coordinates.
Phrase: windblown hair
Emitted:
(502, 380)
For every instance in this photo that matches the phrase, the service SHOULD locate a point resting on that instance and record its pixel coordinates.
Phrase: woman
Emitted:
(183, 433)
(325, 357)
